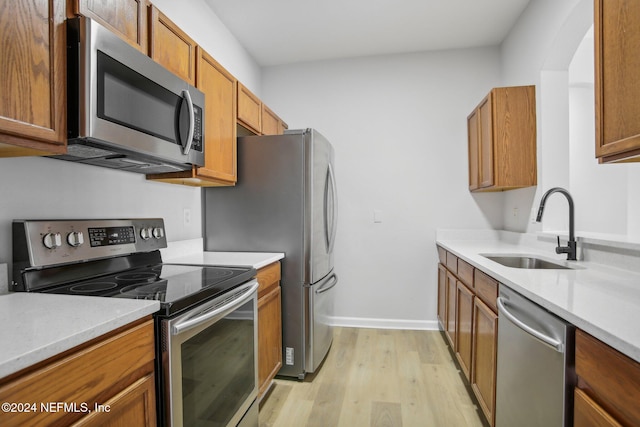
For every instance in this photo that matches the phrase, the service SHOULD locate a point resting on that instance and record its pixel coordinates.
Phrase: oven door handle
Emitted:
(207, 314)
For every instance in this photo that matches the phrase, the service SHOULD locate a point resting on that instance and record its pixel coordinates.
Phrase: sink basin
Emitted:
(524, 261)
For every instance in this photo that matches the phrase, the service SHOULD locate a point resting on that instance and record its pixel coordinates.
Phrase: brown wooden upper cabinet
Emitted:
(172, 47)
(502, 140)
(249, 110)
(617, 80)
(255, 116)
(126, 18)
(33, 78)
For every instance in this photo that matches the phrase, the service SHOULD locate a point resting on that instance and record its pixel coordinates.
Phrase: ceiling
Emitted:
(278, 32)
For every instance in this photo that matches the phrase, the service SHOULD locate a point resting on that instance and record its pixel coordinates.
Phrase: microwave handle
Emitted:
(186, 147)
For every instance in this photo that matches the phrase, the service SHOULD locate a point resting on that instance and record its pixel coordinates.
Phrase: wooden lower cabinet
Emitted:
(587, 413)
(269, 326)
(484, 348)
(442, 295)
(450, 324)
(464, 322)
(467, 315)
(114, 372)
(608, 388)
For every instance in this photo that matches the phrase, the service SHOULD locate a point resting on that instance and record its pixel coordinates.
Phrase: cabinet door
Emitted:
(271, 123)
(133, 407)
(442, 295)
(172, 47)
(587, 413)
(450, 326)
(474, 149)
(126, 18)
(249, 109)
(464, 324)
(32, 78)
(219, 87)
(617, 79)
(269, 338)
(485, 111)
(483, 373)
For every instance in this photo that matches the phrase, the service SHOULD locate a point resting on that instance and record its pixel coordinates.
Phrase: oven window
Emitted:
(218, 369)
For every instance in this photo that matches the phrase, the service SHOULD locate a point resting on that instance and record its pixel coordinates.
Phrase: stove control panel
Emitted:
(42, 243)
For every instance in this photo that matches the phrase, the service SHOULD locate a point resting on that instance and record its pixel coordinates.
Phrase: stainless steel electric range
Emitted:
(206, 329)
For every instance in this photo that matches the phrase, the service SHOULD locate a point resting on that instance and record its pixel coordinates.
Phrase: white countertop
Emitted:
(38, 326)
(230, 259)
(601, 300)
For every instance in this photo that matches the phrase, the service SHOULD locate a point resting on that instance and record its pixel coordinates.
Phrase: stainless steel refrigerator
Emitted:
(285, 200)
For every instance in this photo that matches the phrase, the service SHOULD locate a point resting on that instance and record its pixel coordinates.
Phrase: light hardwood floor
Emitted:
(374, 377)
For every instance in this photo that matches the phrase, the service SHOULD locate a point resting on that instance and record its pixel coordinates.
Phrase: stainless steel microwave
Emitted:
(126, 111)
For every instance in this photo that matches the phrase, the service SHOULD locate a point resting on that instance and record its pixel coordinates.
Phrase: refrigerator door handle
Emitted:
(332, 281)
(331, 233)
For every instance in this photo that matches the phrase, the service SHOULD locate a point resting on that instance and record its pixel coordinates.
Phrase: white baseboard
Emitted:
(361, 322)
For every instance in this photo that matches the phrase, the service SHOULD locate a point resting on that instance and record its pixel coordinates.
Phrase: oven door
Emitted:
(209, 361)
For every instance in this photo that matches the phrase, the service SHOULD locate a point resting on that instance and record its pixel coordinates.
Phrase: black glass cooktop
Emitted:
(176, 286)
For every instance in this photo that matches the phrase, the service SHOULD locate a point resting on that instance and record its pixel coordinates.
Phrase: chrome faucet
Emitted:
(570, 249)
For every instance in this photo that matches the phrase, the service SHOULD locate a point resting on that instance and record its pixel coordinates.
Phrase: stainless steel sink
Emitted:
(524, 261)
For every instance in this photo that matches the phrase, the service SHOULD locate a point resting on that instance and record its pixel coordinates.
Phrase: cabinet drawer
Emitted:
(588, 413)
(610, 378)
(268, 278)
(452, 263)
(465, 272)
(442, 255)
(486, 288)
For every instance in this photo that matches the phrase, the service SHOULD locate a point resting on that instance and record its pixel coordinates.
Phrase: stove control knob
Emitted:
(158, 232)
(75, 238)
(146, 232)
(52, 240)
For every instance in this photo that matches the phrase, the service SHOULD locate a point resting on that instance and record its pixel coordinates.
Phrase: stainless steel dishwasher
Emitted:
(535, 371)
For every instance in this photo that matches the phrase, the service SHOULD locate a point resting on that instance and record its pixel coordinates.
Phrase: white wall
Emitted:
(44, 188)
(398, 126)
(548, 46)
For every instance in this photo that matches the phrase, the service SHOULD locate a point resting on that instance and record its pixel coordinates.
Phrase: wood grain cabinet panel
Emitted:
(464, 325)
(486, 288)
(588, 413)
(271, 123)
(171, 46)
(450, 324)
(98, 373)
(617, 80)
(126, 18)
(249, 110)
(609, 378)
(32, 78)
(485, 346)
(442, 295)
(269, 326)
(502, 140)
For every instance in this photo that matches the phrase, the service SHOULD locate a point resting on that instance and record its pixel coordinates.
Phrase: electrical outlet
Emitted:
(186, 216)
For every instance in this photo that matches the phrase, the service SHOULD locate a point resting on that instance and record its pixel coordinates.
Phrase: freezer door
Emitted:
(324, 206)
(319, 333)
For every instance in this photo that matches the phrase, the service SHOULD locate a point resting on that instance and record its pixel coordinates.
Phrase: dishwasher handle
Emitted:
(545, 339)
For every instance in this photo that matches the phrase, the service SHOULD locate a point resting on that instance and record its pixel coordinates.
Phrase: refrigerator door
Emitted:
(324, 206)
(320, 298)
